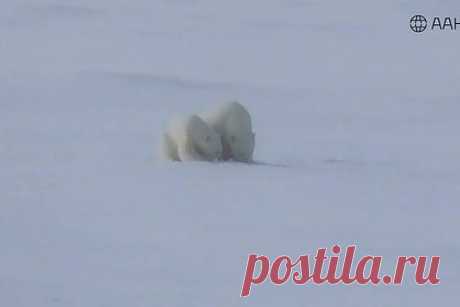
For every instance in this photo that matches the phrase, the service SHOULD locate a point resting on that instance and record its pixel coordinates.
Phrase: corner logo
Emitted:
(419, 23)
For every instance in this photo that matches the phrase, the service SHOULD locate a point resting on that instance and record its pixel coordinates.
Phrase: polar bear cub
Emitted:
(233, 123)
(191, 139)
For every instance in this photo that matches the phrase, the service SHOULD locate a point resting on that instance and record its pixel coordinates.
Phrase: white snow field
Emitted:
(357, 131)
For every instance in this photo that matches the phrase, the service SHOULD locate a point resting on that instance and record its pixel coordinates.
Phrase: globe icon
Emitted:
(418, 23)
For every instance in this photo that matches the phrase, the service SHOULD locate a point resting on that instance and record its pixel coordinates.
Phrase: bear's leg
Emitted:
(169, 148)
(226, 151)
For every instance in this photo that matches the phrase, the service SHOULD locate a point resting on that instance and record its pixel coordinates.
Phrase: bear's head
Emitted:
(238, 139)
(239, 146)
(206, 141)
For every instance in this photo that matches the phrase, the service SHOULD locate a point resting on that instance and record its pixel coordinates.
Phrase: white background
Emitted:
(357, 123)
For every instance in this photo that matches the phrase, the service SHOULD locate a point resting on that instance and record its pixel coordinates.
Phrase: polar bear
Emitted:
(233, 123)
(190, 139)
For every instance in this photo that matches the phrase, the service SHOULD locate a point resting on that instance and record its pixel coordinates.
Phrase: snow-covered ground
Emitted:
(357, 123)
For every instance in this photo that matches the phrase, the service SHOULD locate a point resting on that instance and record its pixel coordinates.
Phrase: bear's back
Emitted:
(229, 116)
